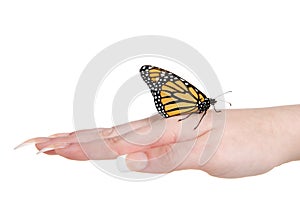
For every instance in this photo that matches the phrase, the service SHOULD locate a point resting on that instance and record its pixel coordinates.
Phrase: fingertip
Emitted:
(52, 147)
(121, 164)
(32, 141)
(132, 162)
(137, 161)
(72, 151)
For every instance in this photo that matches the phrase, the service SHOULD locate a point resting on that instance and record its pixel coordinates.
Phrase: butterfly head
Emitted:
(212, 101)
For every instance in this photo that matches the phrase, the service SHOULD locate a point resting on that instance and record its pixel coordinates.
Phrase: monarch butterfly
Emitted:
(173, 95)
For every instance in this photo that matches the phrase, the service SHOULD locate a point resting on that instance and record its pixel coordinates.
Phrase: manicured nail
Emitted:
(135, 162)
(121, 164)
(33, 141)
(44, 150)
(59, 135)
(52, 147)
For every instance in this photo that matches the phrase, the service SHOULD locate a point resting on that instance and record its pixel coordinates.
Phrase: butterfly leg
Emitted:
(188, 115)
(204, 113)
(218, 111)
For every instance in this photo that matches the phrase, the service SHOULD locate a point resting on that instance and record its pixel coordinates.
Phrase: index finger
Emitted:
(158, 133)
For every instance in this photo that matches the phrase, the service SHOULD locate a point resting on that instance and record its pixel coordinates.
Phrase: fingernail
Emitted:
(51, 147)
(121, 164)
(59, 135)
(137, 161)
(33, 141)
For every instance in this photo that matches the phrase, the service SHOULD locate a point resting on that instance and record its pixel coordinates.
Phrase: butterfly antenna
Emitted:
(223, 94)
(225, 102)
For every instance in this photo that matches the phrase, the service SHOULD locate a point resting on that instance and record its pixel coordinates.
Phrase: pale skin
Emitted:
(253, 142)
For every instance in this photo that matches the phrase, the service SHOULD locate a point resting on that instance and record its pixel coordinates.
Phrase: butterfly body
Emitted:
(173, 95)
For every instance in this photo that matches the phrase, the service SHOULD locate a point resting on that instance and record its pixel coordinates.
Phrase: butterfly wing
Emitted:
(172, 94)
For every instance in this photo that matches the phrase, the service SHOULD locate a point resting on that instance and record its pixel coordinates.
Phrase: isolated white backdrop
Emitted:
(253, 46)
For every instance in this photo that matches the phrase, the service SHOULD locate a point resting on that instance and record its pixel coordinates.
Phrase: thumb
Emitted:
(162, 159)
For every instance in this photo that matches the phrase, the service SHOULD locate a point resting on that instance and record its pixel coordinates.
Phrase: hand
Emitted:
(254, 141)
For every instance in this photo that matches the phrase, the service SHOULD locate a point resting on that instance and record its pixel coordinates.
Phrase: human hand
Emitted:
(254, 141)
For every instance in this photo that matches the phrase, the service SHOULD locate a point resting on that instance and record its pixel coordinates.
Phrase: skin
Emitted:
(253, 142)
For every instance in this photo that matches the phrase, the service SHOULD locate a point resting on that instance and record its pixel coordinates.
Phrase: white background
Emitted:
(253, 46)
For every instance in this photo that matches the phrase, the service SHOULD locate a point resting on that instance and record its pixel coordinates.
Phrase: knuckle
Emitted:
(173, 136)
(113, 143)
(106, 132)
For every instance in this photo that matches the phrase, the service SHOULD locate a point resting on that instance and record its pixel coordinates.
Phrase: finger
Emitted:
(52, 147)
(160, 132)
(127, 127)
(73, 152)
(95, 150)
(52, 152)
(32, 141)
(113, 147)
(166, 158)
(59, 135)
(83, 135)
(149, 135)
(42, 140)
(146, 134)
(93, 143)
(56, 142)
(62, 139)
(91, 135)
(101, 148)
